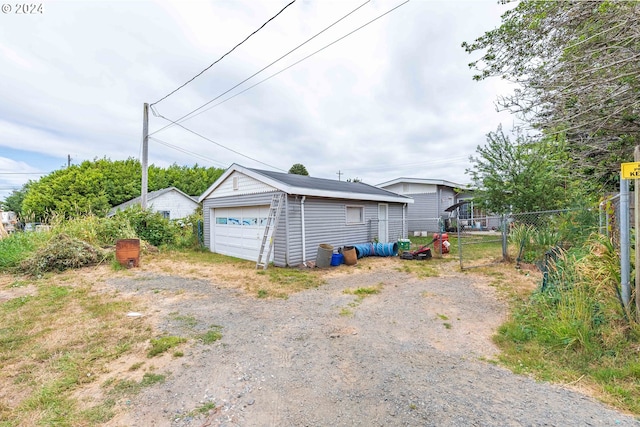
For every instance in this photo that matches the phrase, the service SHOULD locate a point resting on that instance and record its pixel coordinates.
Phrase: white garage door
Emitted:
(238, 232)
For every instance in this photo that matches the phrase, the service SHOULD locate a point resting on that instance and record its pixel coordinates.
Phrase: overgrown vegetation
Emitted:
(81, 241)
(576, 329)
(59, 254)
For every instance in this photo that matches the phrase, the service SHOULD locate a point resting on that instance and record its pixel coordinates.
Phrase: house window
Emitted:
(355, 215)
(165, 214)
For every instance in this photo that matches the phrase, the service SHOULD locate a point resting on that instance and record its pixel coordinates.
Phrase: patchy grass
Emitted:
(121, 388)
(182, 320)
(203, 409)
(346, 312)
(363, 292)
(422, 269)
(55, 342)
(212, 335)
(162, 344)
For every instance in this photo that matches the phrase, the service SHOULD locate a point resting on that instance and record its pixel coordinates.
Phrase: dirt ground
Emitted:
(417, 353)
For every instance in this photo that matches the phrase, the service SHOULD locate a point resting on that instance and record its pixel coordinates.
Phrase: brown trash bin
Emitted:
(350, 255)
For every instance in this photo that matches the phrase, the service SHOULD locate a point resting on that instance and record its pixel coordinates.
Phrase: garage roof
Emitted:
(310, 186)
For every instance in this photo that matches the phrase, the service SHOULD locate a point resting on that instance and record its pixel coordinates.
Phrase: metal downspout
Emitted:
(287, 254)
(405, 232)
(304, 242)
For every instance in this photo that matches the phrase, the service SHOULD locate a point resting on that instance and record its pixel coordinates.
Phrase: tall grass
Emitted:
(577, 328)
(18, 246)
(97, 231)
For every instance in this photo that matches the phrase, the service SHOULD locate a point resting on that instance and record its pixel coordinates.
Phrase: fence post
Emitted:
(505, 232)
(625, 261)
(459, 237)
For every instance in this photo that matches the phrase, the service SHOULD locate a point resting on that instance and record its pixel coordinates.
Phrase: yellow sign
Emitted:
(630, 170)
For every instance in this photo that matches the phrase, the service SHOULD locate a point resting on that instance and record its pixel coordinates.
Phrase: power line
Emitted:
(388, 166)
(303, 59)
(24, 173)
(175, 122)
(186, 116)
(223, 146)
(220, 59)
(178, 148)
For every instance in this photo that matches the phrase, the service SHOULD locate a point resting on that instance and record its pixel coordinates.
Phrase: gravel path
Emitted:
(412, 355)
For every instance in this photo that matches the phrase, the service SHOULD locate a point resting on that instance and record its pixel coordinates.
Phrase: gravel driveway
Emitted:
(414, 354)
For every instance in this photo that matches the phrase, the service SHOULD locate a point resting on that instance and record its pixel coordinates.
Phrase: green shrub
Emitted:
(149, 226)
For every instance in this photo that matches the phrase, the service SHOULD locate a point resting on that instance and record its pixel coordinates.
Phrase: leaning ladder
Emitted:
(270, 230)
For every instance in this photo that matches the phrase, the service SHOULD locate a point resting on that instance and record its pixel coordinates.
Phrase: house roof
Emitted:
(150, 196)
(421, 181)
(310, 186)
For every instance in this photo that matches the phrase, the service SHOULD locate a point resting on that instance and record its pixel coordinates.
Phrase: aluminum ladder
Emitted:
(270, 230)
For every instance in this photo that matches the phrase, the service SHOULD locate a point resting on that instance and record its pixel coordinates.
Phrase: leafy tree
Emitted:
(576, 65)
(96, 186)
(13, 202)
(526, 176)
(299, 169)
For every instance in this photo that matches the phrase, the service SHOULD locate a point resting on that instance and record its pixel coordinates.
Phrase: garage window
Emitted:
(355, 215)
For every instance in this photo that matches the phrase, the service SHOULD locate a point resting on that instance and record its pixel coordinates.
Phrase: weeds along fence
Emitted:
(531, 238)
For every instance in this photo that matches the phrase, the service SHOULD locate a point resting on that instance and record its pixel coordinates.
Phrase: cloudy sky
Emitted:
(393, 99)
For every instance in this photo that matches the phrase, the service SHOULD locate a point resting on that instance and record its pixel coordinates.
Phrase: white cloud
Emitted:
(395, 98)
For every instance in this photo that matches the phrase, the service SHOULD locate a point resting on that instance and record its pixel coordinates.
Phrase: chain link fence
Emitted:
(609, 217)
(480, 241)
(529, 239)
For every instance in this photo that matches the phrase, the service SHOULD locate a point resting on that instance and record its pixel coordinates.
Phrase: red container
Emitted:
(128, 252)
(439, 246)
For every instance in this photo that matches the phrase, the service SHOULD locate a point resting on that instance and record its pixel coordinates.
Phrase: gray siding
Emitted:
(423, 213)
(325, 222)
(427, 208)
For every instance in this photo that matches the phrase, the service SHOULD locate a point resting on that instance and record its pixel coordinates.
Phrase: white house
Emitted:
(170, 202)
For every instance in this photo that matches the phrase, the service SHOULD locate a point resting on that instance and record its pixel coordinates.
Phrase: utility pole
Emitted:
(145, 156)
(68, 160)
(339, 175)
